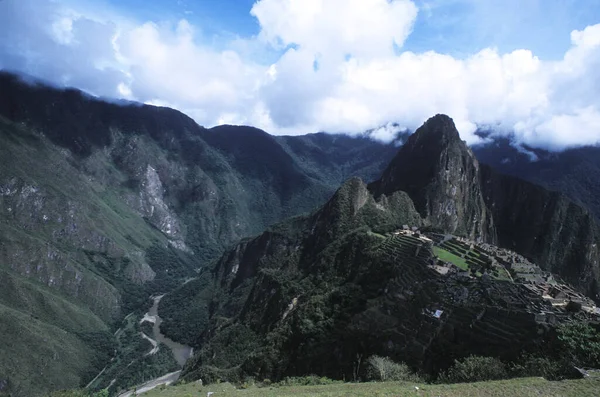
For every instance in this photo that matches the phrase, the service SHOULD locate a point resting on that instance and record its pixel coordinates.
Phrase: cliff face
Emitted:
(557, 234)
(441, 175)
(453, 192)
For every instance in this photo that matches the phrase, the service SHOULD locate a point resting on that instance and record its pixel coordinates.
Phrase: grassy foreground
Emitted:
(513, 387)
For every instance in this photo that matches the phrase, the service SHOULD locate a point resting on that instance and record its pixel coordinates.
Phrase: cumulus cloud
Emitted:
(336, 28)
(158, 63)
(338, 66)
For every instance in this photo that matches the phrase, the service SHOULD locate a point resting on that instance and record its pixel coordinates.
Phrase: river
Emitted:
(181, 352)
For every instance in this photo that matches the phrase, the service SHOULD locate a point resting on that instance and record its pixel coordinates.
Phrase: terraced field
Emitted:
(448, 256)
(469, 258)
(410, 257)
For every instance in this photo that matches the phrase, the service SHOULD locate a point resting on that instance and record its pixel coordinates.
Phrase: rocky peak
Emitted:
(441, 175)
(439, 129)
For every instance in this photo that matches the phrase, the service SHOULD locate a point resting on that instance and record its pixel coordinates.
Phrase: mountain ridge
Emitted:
(281, 303)
(105, 205)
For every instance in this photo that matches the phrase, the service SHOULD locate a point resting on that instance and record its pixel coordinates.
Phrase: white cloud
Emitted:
(167, 63)
(335, 28)
(337, 67)
(387, 133)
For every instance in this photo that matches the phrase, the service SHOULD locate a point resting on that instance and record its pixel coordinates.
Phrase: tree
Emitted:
(476, 369)
(385, 369)
(579, 342)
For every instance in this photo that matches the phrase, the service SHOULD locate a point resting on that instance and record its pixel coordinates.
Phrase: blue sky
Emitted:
(455, 27)
(527, 67)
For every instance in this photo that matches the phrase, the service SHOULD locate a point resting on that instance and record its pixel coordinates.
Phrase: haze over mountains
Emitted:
(103, 205)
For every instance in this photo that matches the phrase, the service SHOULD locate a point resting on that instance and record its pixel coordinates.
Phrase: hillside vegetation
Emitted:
(103, 205)
(320, 293)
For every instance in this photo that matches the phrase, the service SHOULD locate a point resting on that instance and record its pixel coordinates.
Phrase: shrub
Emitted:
(310, 380)
(475, 369)
(385, 369)
(545, 367)
(579, 343)
(210, 374)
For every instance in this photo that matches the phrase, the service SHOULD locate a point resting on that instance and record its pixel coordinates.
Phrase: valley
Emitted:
(136, 244)
(98, 213)
(181, 353)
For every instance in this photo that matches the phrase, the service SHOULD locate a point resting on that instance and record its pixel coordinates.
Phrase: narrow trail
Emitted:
(153, 342)
(154, 383)
(97, 376)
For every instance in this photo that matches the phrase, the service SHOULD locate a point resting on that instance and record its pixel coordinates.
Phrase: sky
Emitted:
(529, 69)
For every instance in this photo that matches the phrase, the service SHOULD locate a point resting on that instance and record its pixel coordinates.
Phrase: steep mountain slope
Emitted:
(318, 293)
(291, 287)
(441, 175)
(221, 184)
(103, 204)
(71, 261)
(574, 172)
(557, 234)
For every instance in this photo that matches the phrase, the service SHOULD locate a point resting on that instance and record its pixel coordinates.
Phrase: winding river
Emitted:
(181, 352)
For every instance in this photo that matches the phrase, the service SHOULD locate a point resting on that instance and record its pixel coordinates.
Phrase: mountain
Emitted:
(574, 172)
(453, 192)
(441, 175)
(319, 293)
(104, 204)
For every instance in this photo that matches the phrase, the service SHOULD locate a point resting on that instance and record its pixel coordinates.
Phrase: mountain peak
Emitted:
(440, 128)
(441, 175)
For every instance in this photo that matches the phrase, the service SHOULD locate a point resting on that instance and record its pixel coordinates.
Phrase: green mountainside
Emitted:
(574, 171)
(316, 294)
(271, 269)
(103, 205)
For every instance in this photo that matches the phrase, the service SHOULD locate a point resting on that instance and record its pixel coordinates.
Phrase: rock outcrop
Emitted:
(456, 194)
(442, 177)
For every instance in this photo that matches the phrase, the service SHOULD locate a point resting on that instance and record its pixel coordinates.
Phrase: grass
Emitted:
(37, 356)
(449, 257)
(514, 387)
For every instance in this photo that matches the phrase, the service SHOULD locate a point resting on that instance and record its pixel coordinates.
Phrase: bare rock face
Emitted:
(441, 175)
(453, 192)
(153, 206)
(556, 233)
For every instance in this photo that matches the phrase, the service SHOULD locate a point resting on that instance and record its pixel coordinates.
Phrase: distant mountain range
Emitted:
(574, 172)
